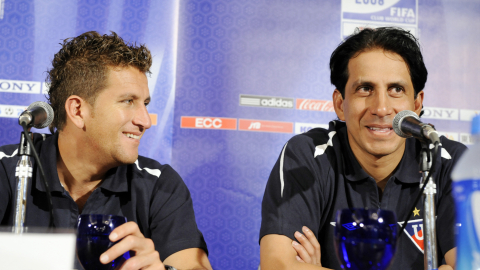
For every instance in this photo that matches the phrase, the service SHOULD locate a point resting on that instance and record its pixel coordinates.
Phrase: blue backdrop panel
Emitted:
(281, 49)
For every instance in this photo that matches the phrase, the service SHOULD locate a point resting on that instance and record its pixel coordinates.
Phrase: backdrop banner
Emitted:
(232, 81)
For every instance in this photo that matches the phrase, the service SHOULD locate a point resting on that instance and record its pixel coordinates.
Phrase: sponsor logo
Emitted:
(414, 231)
(467, 115)
(269, 102)
(449, 135)
(440, 113)
(315, 105)
(205, 122)
(378, 13)
(20, 86)
(45, 88)
(304, 127)
(466, 138)
(11, 111)
(265, 126)
(153, 118)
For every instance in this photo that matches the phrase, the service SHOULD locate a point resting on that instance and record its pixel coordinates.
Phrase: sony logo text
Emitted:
(26, 87)
(440, 113)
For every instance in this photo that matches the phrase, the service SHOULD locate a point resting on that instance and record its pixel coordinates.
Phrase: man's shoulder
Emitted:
(8, 151)
(318, 135)
(148, 168)
(451, 149)
(317, 138)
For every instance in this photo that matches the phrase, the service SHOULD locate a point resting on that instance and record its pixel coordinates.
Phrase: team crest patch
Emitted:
(414, 231)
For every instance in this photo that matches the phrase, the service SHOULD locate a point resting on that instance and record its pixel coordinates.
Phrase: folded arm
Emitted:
(277, 253)
(192, 258)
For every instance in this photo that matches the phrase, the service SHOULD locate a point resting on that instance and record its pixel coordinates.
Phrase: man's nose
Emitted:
(142, 117)
(380, 104)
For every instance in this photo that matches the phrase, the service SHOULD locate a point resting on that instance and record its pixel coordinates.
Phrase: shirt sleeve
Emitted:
(293, 195)
(173, 225)
(4, 195)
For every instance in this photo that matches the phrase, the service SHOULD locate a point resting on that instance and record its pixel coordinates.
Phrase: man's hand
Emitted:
(146, 257)
(307, 247)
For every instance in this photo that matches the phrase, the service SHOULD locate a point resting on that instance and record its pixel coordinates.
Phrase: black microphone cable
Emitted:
(432, 170)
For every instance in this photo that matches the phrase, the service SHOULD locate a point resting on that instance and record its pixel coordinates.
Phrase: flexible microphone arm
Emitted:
(407, 124)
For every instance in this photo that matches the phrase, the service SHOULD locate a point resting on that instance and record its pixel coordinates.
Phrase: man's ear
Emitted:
(338, 104)
(418, 102)
(77, 109)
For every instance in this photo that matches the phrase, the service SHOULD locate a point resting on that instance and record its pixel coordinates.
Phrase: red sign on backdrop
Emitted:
(315, 105)
(265, 126)
(208, 122)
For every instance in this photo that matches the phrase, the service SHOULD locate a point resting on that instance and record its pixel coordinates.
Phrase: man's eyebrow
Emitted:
(134, 96)
(362, 82)
(399, 82)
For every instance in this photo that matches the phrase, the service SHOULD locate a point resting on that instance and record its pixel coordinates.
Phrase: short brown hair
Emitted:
(81, 68)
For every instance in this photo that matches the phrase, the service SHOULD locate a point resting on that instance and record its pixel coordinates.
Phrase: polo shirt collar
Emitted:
(407, 171)
(115, 179)
(48, 157)
(352, 169)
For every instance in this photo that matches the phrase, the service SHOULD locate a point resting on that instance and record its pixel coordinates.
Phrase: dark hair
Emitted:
(390, 39)
(81, 68)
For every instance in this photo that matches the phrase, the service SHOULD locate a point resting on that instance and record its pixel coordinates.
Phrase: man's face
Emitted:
(378, 87)
(119, 117)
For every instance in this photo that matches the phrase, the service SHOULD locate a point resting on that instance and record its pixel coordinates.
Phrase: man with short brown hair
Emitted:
(99, 94)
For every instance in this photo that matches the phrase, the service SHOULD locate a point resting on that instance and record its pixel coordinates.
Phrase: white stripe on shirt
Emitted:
(155, 172)
(282, 182)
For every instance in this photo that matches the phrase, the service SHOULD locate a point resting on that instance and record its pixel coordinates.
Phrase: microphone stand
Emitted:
(429, 230)
(23, 177)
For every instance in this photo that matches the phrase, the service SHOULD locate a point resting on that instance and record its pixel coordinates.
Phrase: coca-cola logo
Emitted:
(315, 105)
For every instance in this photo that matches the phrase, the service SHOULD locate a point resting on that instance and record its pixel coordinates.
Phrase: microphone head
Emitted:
(397, 122)
(48, 109)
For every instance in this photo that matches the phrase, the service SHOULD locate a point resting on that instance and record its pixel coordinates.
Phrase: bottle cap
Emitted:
(476, 125)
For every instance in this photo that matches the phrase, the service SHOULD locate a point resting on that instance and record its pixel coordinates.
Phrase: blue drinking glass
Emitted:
(92, 240)
(365, 239)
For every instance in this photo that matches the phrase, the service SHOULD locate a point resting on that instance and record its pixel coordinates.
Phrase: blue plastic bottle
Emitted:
(466, 190)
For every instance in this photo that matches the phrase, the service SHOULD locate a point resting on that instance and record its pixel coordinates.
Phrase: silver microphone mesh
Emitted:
(49, 111)
(397, 122)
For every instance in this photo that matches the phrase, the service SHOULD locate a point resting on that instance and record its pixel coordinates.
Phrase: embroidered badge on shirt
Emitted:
(414, 231)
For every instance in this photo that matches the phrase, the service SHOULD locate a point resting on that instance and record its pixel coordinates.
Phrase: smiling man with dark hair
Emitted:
(359, 161)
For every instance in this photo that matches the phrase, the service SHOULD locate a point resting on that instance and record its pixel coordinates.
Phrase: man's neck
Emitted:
(77, 171)
(379, 167)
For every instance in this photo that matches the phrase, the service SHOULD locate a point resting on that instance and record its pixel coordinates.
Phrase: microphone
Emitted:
(407, 124)
(38, 115)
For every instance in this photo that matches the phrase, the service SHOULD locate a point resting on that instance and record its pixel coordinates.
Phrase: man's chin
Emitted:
(381, 151)
(127, 159)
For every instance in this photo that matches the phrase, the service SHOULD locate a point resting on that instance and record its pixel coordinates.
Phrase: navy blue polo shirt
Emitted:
(318, 174)
(151, 194)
